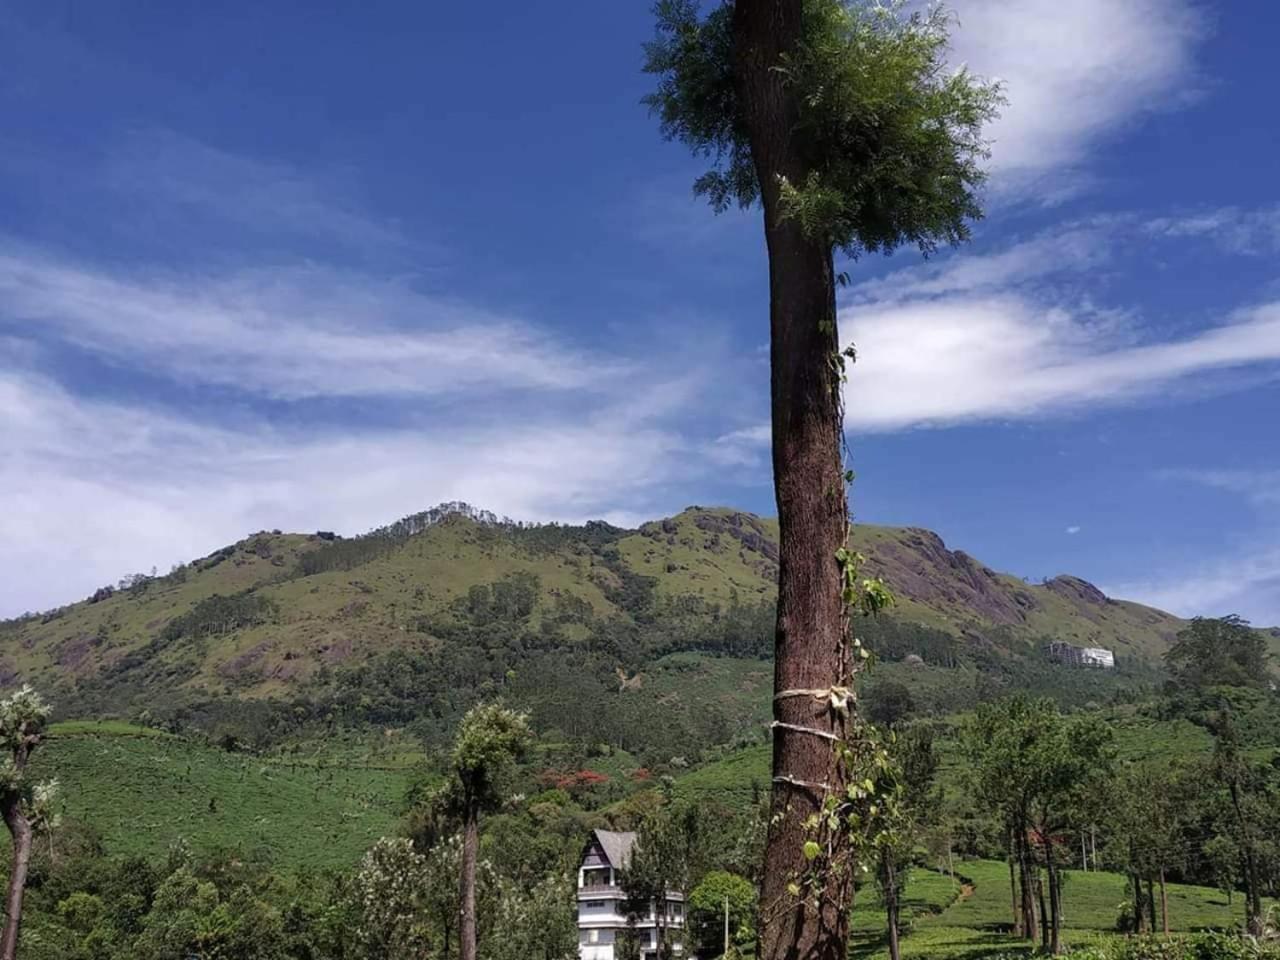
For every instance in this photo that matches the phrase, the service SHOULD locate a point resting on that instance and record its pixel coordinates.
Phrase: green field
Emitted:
(144, 790)
(968, 917)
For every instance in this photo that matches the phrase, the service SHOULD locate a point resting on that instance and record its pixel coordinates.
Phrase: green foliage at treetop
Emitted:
(892, 138)
(491, 738)
(1224, 651)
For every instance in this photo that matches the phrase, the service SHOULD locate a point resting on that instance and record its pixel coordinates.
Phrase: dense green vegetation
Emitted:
(284, 636)
(239, 735)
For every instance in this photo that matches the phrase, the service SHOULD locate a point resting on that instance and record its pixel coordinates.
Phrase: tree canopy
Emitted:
(891, 136)
(1225, 651)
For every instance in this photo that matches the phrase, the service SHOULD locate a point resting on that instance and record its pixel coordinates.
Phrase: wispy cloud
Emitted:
(1008, 357)
(1014, 334)
(1258, 487)
(1072, 530)
(1244, 581)
(290, 333)
(175, 176)
(1073, 72)
(982, 358)
(1236, 230)
(121, 487)
(1067, 248)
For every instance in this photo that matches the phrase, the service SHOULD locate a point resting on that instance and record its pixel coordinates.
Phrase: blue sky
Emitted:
(265, 268)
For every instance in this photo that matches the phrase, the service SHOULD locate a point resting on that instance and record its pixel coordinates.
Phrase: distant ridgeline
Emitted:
(413, 621)
(341, 553)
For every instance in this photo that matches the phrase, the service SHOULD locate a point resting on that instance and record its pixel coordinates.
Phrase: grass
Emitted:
(970, 918)
(144, 791)
(112, 728)
(346, 616)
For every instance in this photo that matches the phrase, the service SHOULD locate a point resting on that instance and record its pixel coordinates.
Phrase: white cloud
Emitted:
(1072, 72)
(290, 333)
(1235, 230)
(1011, 335)
(1073, 530)
(175, 176)
(1008, 356)
(1245, 582)
(1068, 248)
(937, 363)
(121, 488)
(1259, 487)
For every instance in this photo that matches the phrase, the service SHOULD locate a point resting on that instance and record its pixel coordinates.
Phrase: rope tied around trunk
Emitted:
(838, 697)
(806, 784)
(825, 734)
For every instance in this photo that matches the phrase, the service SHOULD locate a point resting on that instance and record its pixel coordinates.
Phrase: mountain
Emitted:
(277, 612)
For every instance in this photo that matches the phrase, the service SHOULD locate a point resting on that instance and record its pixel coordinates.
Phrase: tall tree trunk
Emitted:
(1028, 886)
(1139, 913)
(811, 647)
(1045, 915)
(1151, 903)
(1055, 901)
(21, 833)
(467, 898)
(1164, 904)
(1013, 890)
(891, 903)
(1253, 888)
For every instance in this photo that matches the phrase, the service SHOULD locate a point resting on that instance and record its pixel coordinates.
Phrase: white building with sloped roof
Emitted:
(602, 919)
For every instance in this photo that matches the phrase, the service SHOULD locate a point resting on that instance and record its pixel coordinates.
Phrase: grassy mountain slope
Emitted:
(714, 551)
(300, 604)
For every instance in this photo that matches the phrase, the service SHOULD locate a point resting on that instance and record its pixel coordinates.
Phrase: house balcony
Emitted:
(610, 891)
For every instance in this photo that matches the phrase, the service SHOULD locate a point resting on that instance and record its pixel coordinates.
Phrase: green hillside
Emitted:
(143, 791)
(964, 917)
(293, 604)
(655, 641)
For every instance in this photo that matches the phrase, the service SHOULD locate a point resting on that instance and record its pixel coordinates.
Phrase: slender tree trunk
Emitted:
(21, 833)
(1139, 913)
(1253, 892)
(811, 644)
(1013, 892)
(467, 908)
(891, 903)
(1028, 886)
(1164, 903)
(1055, 898)
(1045, 915)
(1151, 903)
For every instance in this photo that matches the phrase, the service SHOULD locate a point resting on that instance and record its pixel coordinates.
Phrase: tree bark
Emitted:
(1055, 899)
(1253, 891)
(1028, 886)
(812, 651)
(1151, 903)
(467, 897)
(1045, 915)
(891, 904)
(660, 926)
(1139, 913)
(1164, 904)
(21, 833)
(1013, 892)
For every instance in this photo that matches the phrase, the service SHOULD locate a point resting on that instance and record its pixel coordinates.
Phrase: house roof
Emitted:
(617, 846)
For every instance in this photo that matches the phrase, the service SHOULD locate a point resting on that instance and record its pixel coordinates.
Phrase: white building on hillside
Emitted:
(1061, 652)
(601, 920)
